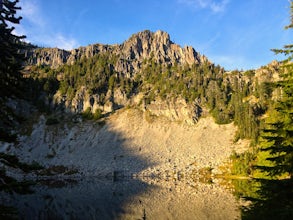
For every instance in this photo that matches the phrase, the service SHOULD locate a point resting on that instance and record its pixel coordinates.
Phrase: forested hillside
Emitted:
(107, 79)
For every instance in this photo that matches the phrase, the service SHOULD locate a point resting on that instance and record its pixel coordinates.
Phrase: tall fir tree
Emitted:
(274, 199)
(10, 46)
(11, 59)
(277, 137)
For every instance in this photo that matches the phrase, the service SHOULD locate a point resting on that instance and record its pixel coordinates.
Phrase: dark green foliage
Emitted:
(52, 121)
(245, 188)
(277, 135)
(242, 163)
(13, 161)
(274, 199)
(277, 139)
(58, 169)
(87, 114)
(50, 85)
(98, 114)
(11, 185)
(6, 124)
(185, 81)
(96, 73)
(10, 57)
(8, 212)
(7, 136)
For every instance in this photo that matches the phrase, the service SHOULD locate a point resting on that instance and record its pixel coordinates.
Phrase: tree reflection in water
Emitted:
(268, 199)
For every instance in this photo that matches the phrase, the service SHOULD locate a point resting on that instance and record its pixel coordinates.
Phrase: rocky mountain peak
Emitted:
(140, 46)
(147, 36)
(157, 45)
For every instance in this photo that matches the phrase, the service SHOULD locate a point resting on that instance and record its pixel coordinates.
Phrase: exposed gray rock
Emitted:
(176, 109)
(131, 53)
(53, 57)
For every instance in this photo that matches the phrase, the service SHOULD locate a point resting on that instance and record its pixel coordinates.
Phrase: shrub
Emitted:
(98, 114)
(52, 121)
(13, 161)
(87, 114)
(7, 136)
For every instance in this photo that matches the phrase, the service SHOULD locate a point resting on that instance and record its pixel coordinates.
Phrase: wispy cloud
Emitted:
(37, 28)
(214, 5)
(31, 12)
(62, 42)
(54, 40)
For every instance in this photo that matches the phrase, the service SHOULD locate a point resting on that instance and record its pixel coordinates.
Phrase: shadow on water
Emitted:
(266, 199)
(85, 199)
(93, 198)
(103, 153)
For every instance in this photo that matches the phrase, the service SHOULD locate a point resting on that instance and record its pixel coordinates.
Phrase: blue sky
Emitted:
(236, 34)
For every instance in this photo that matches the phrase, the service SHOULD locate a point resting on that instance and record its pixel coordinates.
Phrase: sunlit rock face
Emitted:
(140, 46)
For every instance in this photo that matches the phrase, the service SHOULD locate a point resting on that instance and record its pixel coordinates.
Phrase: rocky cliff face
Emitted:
(158, 45)
(129, 58)
(138, 47)
(53, 57)
(176, 109)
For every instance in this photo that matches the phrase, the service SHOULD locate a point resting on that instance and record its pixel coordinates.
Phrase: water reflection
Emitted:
(265, 199)
(124, 199)
(85, 199)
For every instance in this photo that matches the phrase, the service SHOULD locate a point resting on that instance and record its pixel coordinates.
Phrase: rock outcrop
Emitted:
(53, 57)
(176, 109)
(157, 45)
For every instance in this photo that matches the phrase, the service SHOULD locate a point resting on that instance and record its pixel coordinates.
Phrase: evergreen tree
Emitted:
(278, 133)
(10, 45)
(274, 199)
(10, 64)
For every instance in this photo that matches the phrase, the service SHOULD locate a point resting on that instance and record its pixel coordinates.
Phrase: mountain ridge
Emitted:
(139, 46)
(150, 72)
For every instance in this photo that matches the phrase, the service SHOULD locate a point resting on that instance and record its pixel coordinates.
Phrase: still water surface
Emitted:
(124, 199)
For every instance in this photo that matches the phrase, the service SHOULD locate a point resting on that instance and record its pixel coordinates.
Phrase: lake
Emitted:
(148, 198)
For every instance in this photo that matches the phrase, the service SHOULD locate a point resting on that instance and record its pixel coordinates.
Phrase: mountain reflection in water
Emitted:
(124, 199)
